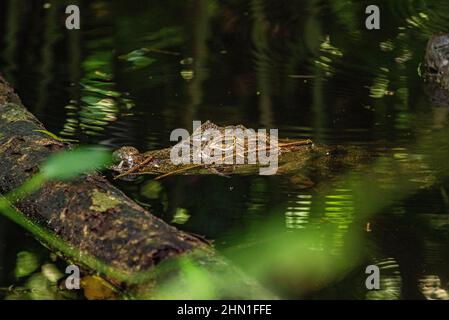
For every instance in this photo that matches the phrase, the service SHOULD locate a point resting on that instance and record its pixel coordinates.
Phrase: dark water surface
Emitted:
(139, 69)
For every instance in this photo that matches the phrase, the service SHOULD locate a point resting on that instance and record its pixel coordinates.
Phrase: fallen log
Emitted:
(100, 223)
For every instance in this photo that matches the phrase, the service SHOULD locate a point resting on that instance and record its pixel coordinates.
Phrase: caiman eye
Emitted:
(432, 70)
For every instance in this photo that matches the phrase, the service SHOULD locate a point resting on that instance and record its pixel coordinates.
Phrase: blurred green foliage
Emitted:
(70, 164)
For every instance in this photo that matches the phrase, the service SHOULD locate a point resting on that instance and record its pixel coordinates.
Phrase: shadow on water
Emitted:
(138, 70)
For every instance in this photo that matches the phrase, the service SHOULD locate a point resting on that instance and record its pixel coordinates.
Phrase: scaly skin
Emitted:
(436, 61)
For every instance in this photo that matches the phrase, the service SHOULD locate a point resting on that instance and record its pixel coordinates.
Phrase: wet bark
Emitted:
(96, 218)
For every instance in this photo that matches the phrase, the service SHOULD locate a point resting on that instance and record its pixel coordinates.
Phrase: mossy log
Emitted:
(100, 221)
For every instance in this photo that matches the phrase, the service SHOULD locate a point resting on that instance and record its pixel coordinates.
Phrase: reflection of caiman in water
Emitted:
(300, 159)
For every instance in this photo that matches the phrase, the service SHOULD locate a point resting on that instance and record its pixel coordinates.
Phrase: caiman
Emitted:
(436, 61)
(302, 160)
(436, 69)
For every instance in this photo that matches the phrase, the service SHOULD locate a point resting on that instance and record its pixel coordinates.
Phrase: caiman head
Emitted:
(125, 159)
(437, 60)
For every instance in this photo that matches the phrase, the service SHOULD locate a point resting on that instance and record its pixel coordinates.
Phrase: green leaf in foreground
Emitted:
(70, 164)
